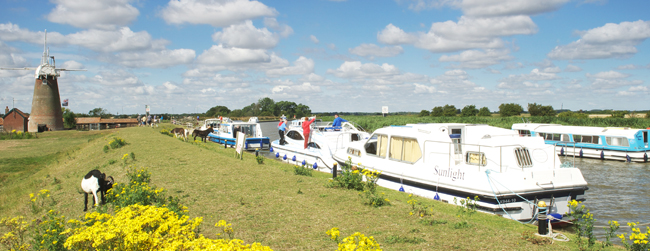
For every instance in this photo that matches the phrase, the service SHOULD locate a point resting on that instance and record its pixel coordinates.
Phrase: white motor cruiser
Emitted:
(508, 173)
(324, 140)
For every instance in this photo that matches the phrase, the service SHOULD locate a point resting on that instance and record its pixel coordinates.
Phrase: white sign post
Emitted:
(239, 144)
(384, 110)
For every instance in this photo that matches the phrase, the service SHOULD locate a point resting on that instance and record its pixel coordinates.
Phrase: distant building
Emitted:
(15, 119)
(97, 123)
(1, 124)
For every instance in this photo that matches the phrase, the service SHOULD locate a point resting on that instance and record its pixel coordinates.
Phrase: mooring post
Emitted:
(542, 224)
(334, 170)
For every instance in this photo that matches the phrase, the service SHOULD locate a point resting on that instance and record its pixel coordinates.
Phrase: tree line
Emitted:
(263, 107)
(512, 109)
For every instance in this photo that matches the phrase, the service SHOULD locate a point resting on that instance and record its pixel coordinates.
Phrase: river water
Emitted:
(618, 191)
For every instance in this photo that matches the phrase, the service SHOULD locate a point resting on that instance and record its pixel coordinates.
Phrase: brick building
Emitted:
(15, 119)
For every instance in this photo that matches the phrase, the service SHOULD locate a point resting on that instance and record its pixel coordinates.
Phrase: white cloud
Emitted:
(156, 59)
(393, 35)
(572, 68)
(608, 41)
(219, 58)
(491, 8)
(534, 75)
(245, 35)
(283, 29)
(420, 88)
(123, 39)
(10, 57)
(306, 87)
(607, 75)
(217, 13)
(118, 78)
(314, 39)
(373, 50)
(97, 14)
(474, 59)
(355, 69)
(301, 66)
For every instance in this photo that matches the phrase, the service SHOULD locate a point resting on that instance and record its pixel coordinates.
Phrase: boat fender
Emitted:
(645, 157)
(270, 149)
(315, 165)
(294, 158)
(627, 158)
(555, 217)
(285, 157)
(562, 151)
(277, 155)
(580, 152)
(437, 197)
(401, 189)
(303, 162)
(602, 154)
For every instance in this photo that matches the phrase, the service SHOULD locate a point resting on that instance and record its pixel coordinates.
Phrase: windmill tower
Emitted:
(46, 103)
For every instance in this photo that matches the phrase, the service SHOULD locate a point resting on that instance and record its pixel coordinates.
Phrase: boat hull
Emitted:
(640, 156)
(296, 155)
(250, 144)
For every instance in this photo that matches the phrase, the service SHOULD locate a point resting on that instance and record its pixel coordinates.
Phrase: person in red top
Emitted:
(306, 130)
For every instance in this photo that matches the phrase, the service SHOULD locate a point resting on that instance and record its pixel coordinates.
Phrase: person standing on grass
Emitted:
(337, 121)
(282, 128)
(306, 129)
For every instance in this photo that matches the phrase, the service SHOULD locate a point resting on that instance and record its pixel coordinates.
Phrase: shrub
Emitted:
(138, 191)
(14, 239)
(356, 241)
(469, 111)
(301, 170)
(512, 109)
(539, 110)
(484, 112)
(570, 114)
(349, 178)
(48, 232)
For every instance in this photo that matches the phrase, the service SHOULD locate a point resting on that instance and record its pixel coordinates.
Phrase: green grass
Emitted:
(261, 201)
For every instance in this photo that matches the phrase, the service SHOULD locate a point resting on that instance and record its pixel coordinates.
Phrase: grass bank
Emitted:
(265, 203)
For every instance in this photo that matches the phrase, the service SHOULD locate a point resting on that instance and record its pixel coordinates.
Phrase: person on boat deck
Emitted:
(282, 127)
(306, 130)
(338, 120)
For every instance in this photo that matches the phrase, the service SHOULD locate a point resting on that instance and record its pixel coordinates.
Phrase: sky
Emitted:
(185, 56)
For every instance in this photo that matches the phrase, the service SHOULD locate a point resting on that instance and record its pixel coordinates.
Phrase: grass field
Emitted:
(265, 203)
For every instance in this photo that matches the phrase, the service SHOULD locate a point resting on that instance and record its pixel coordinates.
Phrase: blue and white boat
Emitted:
(450, 162)
(611, 143)
(224, 134)
(324, 140)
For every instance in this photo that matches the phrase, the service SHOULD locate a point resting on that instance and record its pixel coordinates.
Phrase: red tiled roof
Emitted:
(88, 120)
(16, 110)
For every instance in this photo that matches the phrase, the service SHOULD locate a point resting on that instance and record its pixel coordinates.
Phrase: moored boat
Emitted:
(449, 162)
(324, 140)
(225, 134)
(611, 143)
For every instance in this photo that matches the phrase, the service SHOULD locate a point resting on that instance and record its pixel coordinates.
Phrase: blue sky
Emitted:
(189, 55)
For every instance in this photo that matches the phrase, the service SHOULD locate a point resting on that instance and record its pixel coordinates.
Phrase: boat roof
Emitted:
(580, 130)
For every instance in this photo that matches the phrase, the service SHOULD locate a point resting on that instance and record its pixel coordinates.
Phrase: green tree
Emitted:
(237, 113)
(437, 111)
(511, 109)
(539, 110)
(266, 104)
(251, 110)
(424, 113)
(619, 114)
(484, 112)
(302, 111)
(449, 111)
(217, 111)
(469, 111)
(99, 112)
(69, 118)
(647, 115)
(285, 107)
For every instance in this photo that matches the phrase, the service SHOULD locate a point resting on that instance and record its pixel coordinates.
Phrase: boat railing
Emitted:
(453, 146)
(563, 144)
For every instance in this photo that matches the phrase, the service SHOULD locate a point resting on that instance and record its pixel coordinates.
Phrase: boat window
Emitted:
(556, 137)
(617, 141)
(585, 139)
(376, 145)
(566, 138)
(354, 137)
(404, 149)
(645, 137)
(523, 157)
(294, 135)
(313, 145)
(476, 158)
(524, 132)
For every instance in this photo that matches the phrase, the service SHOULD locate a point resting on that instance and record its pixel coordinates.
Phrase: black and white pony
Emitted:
(96, 182)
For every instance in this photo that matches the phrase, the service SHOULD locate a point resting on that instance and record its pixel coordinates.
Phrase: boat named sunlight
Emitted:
(449, 162)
